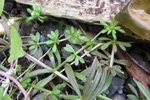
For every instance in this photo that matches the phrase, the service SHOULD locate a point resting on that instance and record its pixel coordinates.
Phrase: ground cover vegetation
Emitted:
(90, 83)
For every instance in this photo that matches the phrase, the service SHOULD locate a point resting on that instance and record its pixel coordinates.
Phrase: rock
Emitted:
(51, 26)
(116, 84)
(44, 46)
(9, 4)
(91, 11)
(119, 96)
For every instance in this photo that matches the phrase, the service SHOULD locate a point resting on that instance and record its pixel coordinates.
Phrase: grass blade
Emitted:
(90, 77)
(72, 79)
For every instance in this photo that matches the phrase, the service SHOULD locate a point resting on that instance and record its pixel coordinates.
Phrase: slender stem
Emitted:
(35, 43)
(61, 65)
(64, 39)
(96, 36)
(50, 92)
(37, 61)
(16, 82)
(112, 57)
(40, 88)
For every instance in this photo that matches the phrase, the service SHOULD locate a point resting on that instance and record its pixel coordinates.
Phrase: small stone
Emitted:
(51, 26)
(115, 85)
(117, 96)
(9, 4)
(44, 46)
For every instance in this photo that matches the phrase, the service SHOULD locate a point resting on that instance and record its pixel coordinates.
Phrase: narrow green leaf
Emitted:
(71, 57)
(2, 41)
(124, 44)
(104, 23)
(38, 36)
(56, 33)
(29, 19)
(90, 76)
(100, 85)
(105, 45)
(123, 62)
(2, 2)
(38, 72)
(33, 37)
(107, 84)
(54, 98)
(132, 97)
(81, 59)
(104, 38)
(95, 82)
(123, 75)
(72, 29)
(56, 92)
(59, 87)
(85, 38)
(34, 51)
(49, 42)
(122, 47)
(16, 50)
(72, 80)
(133, 89)
(54, 48)
(69, 48)
(29, 10)
(3, 68)
(80, 76)
(52, 58)
(57, 54)
(76, 61)
(32, 47)
(142, 89)
(42, 83)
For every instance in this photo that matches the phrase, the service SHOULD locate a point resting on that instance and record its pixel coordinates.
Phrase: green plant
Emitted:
(73, 56)
(136, 96)
(95, 81)
(54, 40)
(74, 34)
(112, 28)
(36, 13)
(2, 2)
(35, 43)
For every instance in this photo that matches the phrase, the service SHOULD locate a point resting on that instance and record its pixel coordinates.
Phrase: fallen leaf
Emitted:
(135, 69)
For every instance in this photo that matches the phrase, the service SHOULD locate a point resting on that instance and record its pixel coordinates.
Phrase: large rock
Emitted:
(91, 11)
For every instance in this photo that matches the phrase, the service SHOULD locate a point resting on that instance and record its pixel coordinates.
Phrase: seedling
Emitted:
(36, 13)
(112, 28)
(73, 56)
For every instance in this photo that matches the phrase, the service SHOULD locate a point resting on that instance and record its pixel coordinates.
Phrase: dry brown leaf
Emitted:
(135, 69)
